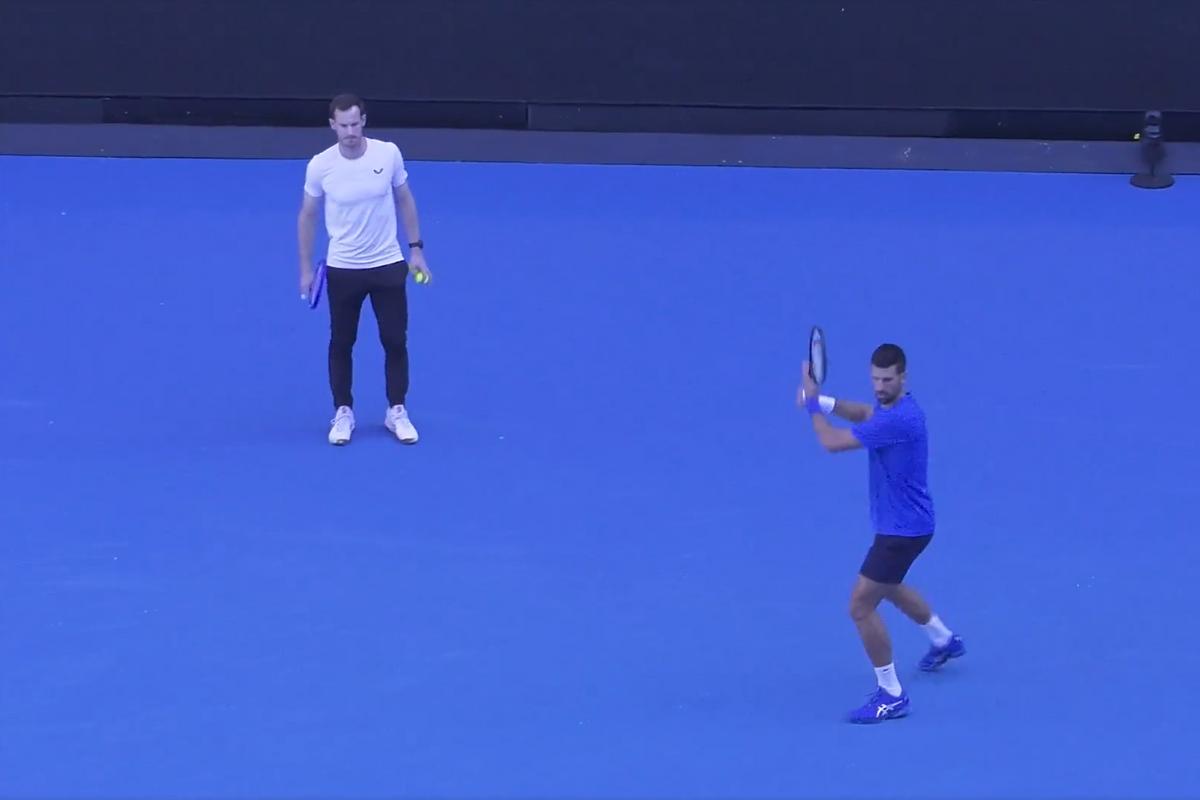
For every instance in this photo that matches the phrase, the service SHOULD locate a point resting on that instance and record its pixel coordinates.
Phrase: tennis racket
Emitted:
(817, 363)
(318, 284)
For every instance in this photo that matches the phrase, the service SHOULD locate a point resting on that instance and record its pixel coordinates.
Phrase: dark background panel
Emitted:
(491, 63)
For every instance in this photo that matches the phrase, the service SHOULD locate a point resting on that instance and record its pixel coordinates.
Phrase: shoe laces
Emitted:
(881, 697)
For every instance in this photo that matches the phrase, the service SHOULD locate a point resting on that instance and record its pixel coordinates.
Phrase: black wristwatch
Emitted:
(418, 243)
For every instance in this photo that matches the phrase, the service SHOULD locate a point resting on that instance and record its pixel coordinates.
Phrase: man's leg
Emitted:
(864, 610)
(911, 603)
(881, 570)
(944, 644)
(389, 299)
(864, 604)
(346, 290)
(889, 701)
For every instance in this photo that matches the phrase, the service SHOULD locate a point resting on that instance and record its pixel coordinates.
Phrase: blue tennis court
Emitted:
(617, 565)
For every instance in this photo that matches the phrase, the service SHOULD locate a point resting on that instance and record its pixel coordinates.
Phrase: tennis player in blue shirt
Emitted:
(893, 433)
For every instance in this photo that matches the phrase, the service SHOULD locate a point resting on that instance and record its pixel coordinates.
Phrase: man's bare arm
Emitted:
(834, 440)
(406, 205)
(851, 411)
(306, 231)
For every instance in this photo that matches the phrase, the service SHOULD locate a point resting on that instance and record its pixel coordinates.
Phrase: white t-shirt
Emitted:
(360, 209)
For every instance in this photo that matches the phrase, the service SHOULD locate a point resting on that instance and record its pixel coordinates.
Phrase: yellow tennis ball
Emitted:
(420, 277)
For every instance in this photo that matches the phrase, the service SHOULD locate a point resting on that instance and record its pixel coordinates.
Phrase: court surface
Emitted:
(617, 565)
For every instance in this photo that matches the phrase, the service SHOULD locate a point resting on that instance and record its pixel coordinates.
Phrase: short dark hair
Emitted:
(345, 102)
(889, 355)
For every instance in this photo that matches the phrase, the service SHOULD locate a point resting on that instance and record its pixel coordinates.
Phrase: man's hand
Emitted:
(417, 265)
(808, 387)
(306, 279)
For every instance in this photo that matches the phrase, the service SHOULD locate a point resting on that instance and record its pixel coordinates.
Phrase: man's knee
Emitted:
(394, 341)
(342, 342)
(859, 610)
(864, 599)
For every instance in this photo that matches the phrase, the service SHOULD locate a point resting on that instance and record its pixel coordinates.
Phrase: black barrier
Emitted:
(563, 64)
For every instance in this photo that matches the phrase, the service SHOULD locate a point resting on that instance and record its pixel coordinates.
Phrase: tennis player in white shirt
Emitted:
(364, 185)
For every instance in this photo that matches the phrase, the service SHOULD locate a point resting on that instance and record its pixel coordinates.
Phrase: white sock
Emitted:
(888, 680)
(939, 634)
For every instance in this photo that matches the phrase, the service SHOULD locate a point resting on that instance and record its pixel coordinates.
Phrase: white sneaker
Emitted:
(343, 426)
(397, 422)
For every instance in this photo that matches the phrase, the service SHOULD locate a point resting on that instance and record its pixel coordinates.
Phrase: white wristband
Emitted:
(825, 402)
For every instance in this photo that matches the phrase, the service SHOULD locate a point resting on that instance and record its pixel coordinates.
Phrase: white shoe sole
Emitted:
(392, 428)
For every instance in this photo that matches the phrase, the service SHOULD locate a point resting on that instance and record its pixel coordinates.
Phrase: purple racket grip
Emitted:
(318, 284)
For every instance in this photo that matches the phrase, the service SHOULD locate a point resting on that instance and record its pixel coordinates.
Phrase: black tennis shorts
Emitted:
(890, 557)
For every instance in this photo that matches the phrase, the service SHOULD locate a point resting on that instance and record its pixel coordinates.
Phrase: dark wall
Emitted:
(1024, 55)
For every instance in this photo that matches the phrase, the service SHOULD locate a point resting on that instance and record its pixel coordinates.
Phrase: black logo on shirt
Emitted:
(377, 171)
